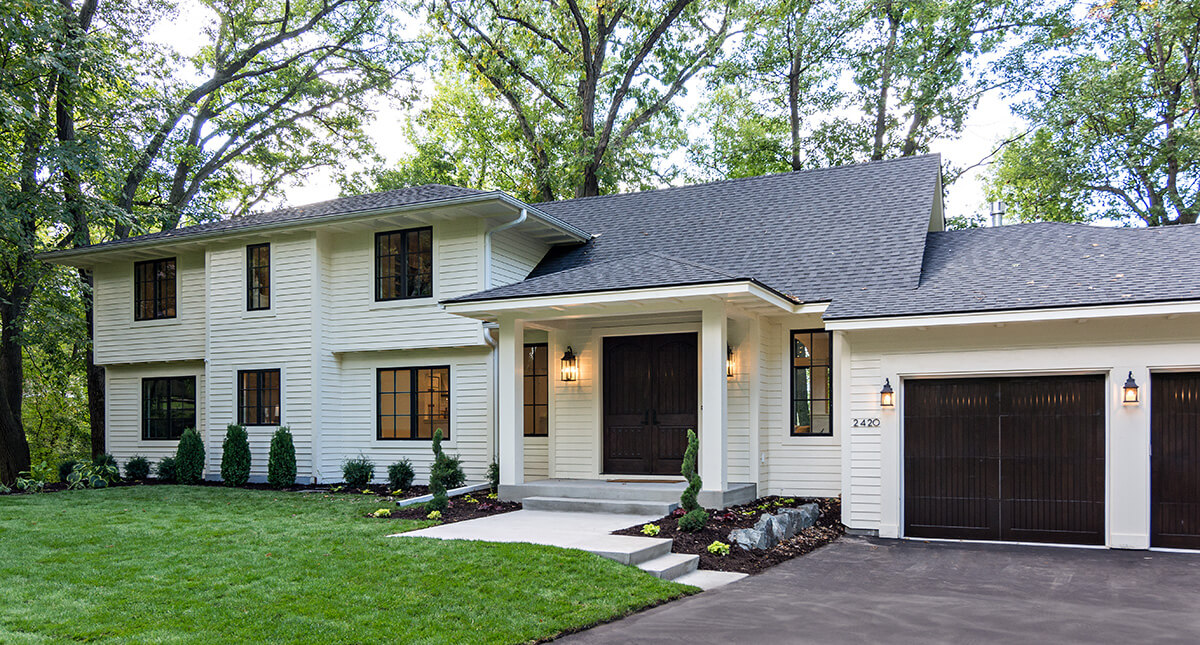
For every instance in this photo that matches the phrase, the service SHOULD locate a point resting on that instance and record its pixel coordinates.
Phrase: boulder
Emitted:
(748, 539)
(801, 518)
(770, 530)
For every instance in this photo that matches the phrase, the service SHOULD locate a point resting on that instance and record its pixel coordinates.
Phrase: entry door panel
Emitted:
(1175, 460)
(650, 402)
(1018, 459)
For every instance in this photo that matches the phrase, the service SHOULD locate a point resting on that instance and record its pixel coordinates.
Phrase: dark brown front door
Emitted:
(650, 402)
(1019, 459)
(1175, 460)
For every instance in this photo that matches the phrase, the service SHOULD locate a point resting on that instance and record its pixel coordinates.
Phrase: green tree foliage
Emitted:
(694, 517)
(441, 473)
(235, 456)
(586, 92)
(281, 461)
(189, 458)
(1116, 114)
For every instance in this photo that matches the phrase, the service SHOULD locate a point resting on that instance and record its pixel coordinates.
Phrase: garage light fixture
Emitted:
(1129, 393)
(887, 398)
(570, 365)
(729, 366)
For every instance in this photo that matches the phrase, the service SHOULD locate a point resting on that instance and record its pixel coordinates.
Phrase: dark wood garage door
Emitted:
(1019, 459)
(1175, 460)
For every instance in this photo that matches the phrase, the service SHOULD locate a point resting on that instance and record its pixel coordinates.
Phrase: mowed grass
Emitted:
(180, 564)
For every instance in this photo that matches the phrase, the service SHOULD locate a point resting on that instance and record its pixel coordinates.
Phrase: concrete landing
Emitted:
(709, 579)
(615, 506)
(623, 489)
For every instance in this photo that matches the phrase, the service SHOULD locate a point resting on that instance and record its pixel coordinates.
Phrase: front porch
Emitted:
(657, 498)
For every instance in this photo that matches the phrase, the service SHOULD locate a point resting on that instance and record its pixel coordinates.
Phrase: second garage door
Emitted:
(1018, 459)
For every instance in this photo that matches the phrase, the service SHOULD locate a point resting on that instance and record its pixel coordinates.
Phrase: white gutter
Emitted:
(487, 246)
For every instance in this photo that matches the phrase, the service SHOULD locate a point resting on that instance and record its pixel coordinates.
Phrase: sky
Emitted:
(989, 123)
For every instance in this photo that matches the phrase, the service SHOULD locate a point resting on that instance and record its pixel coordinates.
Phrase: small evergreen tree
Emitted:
(235, 456)
(358, 472)
(138, 467)
(401, 475)
(166, 470)
(438, 476)
(695, 517)
(189, 458)
(493, 476)
(281, 463)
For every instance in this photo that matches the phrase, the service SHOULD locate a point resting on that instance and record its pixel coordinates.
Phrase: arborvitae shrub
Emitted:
(281, 463)
(138, 467)
(400, 475)
(235, 456)
(166, 469)
(358, 472)
(695, 518)
(493, 476)
(189, 458)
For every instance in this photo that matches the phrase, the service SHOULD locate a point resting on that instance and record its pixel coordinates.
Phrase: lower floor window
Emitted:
(168, 406)
(413, 402)
(258, 397)
(812, 383)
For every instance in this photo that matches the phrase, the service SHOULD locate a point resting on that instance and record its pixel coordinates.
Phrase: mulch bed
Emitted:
(827, 529)
(464, 507)
(379, 490)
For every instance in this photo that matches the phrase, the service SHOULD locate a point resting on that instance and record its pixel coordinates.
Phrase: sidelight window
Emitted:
(812, 383)
(537, 390)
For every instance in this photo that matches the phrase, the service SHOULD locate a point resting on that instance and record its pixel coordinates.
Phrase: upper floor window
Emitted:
(537, 390)
(258, 277)
(168, 406)
(258, 397)
(812, 383)
(154, 289)
(413, 402)
(404, 264)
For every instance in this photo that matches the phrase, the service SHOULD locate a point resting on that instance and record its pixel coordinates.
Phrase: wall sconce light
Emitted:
(570, 365)
(887, 397)
(729, 365)
(1129, 393)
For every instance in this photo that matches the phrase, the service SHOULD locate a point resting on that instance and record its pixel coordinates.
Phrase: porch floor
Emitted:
(619, 488)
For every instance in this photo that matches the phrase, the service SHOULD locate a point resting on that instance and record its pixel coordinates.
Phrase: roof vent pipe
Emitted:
(997, 213)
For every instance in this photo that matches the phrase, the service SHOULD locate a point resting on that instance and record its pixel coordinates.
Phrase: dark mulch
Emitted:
(720, 523)
(379, 490)
(465, 507)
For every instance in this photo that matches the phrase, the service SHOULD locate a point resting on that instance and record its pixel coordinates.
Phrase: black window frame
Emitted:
(160, 296)
(259, 389)
(413, 407)
(792, 400)
(525, 404)
(404, 254)
(252, 264)
(173, 433)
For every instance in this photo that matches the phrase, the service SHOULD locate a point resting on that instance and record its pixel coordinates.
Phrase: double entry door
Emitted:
(650, 402)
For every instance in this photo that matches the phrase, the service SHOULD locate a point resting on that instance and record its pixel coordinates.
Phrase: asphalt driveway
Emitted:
(861, 590)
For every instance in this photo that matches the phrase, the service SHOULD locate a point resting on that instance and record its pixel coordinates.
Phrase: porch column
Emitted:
(714, 421)
(509, 411)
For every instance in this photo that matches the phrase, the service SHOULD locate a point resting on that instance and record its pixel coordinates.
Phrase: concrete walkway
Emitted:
(861, 590)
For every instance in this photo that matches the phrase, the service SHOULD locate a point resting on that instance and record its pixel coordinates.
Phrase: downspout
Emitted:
(487, 246)
(490, 332)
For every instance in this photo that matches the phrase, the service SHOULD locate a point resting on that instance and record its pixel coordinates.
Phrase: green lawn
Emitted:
(185, 564)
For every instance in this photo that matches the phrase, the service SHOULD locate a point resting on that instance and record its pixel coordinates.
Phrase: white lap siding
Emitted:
(124, 409)
(120, 339)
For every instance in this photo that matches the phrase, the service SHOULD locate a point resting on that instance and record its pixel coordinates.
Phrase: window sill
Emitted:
(259, 313)
(403, 303)
(157, 322)
(813, 439)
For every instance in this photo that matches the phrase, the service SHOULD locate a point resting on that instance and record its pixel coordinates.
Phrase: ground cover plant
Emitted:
(716, 532)
(209, 564)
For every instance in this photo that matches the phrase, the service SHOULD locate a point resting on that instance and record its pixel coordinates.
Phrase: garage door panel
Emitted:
(1012, 459)
(1175, 460)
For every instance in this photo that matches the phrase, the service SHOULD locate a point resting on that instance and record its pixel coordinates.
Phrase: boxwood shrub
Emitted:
(358, 472)
(401, 475)
(138, 467)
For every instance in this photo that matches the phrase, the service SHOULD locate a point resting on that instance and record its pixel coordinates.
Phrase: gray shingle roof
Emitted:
(810, 235)
(1043, 265)
(343, 205)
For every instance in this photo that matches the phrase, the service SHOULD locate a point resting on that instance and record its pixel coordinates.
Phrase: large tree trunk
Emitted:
(15, 456)
(885, 81)
(590, 185)
(95, 373)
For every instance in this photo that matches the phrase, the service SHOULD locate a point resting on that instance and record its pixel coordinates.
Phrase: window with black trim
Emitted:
(404, 264)
(413, 402)
(154, 289)
(168, 407)
(258, 397)
(812, 383)
(258, 277)
(537, 390)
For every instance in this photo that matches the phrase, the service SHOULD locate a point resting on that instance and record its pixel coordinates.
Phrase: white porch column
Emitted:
(749, 367)
(714, 421)
(509, 409)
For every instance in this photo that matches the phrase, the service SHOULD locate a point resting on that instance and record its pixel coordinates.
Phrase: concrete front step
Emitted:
(628, 549)
(709, 579)
(658, 491)
(617, 506)
(671, 565)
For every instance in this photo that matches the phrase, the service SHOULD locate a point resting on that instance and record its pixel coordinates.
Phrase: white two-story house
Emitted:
(820, 330)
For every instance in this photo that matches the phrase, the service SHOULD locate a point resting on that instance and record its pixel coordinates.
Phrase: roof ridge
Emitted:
(695, 264)
(734, 180)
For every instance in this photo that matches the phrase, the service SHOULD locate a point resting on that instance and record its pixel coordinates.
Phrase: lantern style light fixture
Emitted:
(1129, 393)
(570, 365)
(729, 365)
(887, 398)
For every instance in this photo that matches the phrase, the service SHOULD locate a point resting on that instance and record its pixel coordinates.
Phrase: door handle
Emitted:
(646, 418)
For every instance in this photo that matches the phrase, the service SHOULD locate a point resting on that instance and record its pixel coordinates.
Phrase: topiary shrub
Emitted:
(281, 463)
(166, 470)
(65, 467)
(358, 472)
(493, 476)
(189, 458)
(138, 467)
(235, 456)
(401, 475)
(438, 476)
(695, 517)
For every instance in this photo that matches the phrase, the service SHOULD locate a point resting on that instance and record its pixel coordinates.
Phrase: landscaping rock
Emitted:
(748, 539)
(801, 518)
(770, 530)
